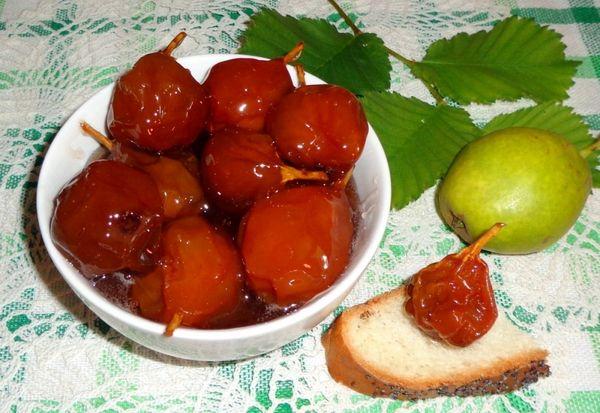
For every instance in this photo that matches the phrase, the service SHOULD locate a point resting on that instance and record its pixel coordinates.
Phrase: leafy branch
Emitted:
(516, 58)
(357, 62)
(409, 63)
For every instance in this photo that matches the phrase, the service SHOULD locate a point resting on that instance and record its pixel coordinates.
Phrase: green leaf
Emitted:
(550, 116)
(420, 140)
(358, 63)
(553, 117)
(517, 58)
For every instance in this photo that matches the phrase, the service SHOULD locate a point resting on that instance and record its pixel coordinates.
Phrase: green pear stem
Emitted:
(174, 44)
(439, 99)
(588, 150)
(474, 249)
(289, 173)
(294, 54)
(97, 135)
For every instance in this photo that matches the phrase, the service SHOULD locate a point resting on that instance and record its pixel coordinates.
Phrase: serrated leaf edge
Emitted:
(431, 79)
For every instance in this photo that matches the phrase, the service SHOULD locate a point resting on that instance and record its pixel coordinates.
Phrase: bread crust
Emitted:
(351, 370)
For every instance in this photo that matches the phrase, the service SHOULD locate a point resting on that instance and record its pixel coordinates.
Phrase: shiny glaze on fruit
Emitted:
(453, 299)
(192, 272)
(319, 126)
(200, 275)
(238, 168)
(242, 91)
(179, 189)
(118, 288)
(176, 179)
(108, 219)
(296, 243)
(157, 105)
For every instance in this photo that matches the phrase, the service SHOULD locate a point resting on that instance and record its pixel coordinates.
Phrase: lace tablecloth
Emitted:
(55, 355)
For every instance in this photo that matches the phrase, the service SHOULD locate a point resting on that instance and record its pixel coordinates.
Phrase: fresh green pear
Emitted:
(533, 181)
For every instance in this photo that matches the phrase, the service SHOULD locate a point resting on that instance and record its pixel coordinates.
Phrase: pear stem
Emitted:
(588, 150)
(439, 99)
(301, 75)
(289, 173)
(174, 44)
(174, 324)
(474, 249)
(97, 135)
(343, 181)
(294, 54)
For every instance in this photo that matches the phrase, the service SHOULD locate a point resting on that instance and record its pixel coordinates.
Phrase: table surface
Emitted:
(55, 355)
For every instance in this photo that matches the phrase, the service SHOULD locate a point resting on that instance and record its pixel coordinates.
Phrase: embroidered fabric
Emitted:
(57, 355)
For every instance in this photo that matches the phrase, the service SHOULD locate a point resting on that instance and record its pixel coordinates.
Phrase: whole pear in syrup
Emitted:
(242, 91)
(453, 299)
(158, 105)
(240, 167)
(177, 180)
(319, 126)
(108, 219)
(199, 277)
(296, 243)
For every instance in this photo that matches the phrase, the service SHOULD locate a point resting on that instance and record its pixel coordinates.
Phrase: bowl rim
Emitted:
(87, 293)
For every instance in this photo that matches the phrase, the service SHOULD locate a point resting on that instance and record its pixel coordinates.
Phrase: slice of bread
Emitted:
(377, 349)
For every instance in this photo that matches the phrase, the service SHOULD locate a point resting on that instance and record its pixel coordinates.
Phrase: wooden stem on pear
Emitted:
(301, 75)
(289, 173)
(474, 249)
(174, 324)
(97, 135)
(342, 183)
(294, 54)
(588, 150)
(174, 43)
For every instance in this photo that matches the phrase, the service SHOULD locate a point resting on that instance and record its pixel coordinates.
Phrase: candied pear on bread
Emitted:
(377, 349)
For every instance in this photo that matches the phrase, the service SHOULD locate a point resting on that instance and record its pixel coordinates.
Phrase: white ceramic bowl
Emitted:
(70, 152)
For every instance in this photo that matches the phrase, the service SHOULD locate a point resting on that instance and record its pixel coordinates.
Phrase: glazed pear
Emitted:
(158, 105)
(532, 180)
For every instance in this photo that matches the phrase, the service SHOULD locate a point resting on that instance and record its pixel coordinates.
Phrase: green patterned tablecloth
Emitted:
(55, 355)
